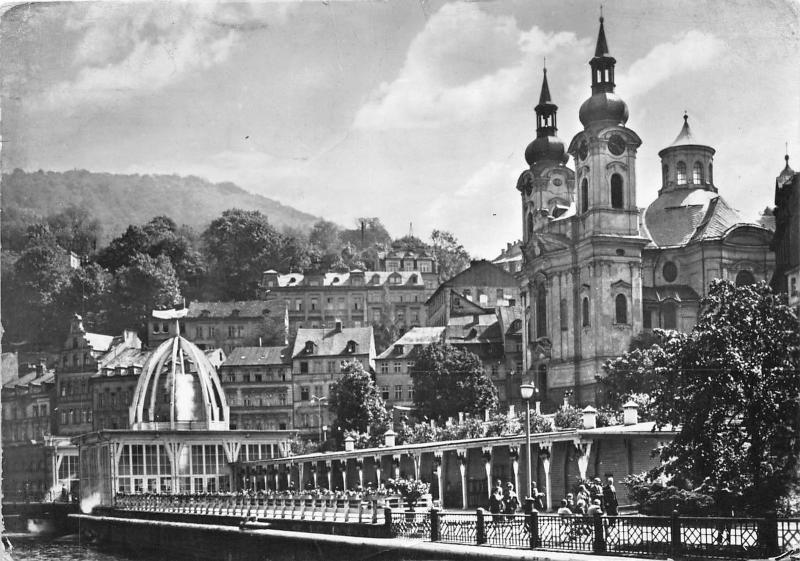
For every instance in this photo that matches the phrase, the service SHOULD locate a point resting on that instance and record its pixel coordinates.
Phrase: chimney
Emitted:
(388, 438)
(589, 417)
(630, 413)
(350, 443)
(337, 327)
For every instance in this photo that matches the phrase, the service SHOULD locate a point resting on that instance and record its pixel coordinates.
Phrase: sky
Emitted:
(417, 112)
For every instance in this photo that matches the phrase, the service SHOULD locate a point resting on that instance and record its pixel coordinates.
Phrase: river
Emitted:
(64, 549)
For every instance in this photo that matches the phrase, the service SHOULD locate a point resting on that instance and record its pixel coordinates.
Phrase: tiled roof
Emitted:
(246, 308)
(371, 278)
(508, 315)
(124, 358)
(258, 356)
(683, 216)
(98, 342)
(421, 336)
(464, 330)
(677, 292)
(330, 342)
(31, 379)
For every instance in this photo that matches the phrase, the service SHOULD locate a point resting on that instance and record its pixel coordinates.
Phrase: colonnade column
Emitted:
(329, 469)
(360, 467)
(438, 459)
(545, 451)
(314, 468)
(584, 449)
(487, 466)
(417, 461)
(462, 465)
(301, 485)
(275, 474)
(396, 465)
(513, 453)
(377, 461)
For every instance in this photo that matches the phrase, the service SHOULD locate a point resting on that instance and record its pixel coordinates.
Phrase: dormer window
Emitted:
(398, 349)
(292, 280)
(412, 279)
(235, 313)
(395, 278)
(309, 347)
(376, 279)
(335, 280)
(352, 347)
(205, 313)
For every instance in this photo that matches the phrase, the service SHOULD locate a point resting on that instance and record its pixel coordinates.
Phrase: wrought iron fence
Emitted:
(507, 530)
(788, 533)
(413, 525)
(458, 527)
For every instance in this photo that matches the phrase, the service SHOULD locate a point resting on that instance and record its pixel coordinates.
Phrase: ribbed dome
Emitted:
(546, 148)
(179, 389)
(604, 106)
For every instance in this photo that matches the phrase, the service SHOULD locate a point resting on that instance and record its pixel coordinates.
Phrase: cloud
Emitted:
(129, 49)
(694, 51)
(462, 66)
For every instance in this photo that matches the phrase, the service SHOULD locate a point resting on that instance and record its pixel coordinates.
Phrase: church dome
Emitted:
(546, 148)
(604, 106)
(179, 389)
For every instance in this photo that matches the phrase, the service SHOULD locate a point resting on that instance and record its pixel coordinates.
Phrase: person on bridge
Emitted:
(610, 498)
(496, 505)
(510, 499)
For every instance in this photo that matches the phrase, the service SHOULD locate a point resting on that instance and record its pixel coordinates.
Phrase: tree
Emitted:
(731, 386)
(449, 253)
(75, 229)
(368, 233)
(356, 401)
(325, 237)
(448, 380)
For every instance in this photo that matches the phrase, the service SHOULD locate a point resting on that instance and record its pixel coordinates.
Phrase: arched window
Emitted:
(711, 173)
(562, 310)
(541, 382)
(585, 311)
(541, 311)
(584, 195)
(670, 315)
(621, 309)
(664, 174)
(744, 278)
(697, 173)
(617, 199)
(681, 173)
(530, 222)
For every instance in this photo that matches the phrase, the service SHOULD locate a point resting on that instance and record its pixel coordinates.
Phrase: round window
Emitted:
(616, 145)
(670, 271)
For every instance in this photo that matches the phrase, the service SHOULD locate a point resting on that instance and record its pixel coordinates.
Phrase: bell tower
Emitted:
(605, 154)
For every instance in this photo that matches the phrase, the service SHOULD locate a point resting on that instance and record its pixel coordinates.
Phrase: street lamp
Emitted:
(527, 391)
(318, 401)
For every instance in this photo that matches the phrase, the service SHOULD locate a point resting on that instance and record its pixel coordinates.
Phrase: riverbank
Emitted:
(219, 542)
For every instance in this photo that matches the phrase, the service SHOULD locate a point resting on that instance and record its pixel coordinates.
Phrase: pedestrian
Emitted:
(563, 510)
(570, 501)
(594, 508)
(610, 498)
(510, 500)
(496, 505)
(583, 495)
(565, 519)
(596, 491)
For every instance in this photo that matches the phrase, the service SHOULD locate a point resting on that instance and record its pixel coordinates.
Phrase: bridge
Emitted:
(640, 536)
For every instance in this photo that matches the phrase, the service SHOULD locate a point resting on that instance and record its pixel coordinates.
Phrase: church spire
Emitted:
(547, 146)
(545, 111)
(602, 45)
(544, 97)
(602, 64)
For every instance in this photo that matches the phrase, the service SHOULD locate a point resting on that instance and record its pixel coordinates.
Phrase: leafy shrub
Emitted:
(608, 417)
(410, 489)
(657, 499)
(568, 417)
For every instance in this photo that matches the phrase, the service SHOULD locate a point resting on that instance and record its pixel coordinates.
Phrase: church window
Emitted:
(670, 315)
(665, 174)
(541, 312)
(681, 173)
(585, 195)
(616, 191)
(744, 278)
(647, 319)
(541, 383)
(621, 309)
(585, 311)
(562, 309)
(711, 173)
(670, 271)
(530, 222)
(697, 173)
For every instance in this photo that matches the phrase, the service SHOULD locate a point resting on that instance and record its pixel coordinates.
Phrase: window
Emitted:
(304, 393)
(392, 266)
(621, 309)
(617, 199)
(411, 393)
(697, 173)
(211, 331)
(408, 265)
(314, 304)
(384, 392)
(530, 223)
(384, 367)
(562, 312)
(231, 331)
(647, 319)
(376, 315)
(398, 392)
(495, 370)
(500, 294)
(744, 278)
(711, 173)
(541, 311)
(397, 367)
(670, 271)
(304, 367)
(246, 377)
(585, 311)
(664, 174)
(425, 266)
(670, 315)
(358, 303)
(681, 173)
(298, 305)
(341, 303)
(282, 399)
(198, 332)
(395, 279)
(467, 294)
(584, 195)
(331, 367)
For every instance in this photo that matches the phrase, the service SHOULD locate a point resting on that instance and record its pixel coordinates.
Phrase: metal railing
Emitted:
(707, 537)
(368, 510)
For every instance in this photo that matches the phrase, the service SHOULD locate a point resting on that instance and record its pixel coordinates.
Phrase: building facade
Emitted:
(786, 242)
(598, 271)
(258, 386)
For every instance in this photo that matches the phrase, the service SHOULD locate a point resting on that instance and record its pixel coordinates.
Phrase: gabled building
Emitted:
(393, 366)
(476, 290)
(317, 357)
(258, 385)
(510, 259)
(112, 388)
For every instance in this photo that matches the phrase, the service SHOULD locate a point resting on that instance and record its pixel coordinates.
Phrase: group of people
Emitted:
(503, 500)
(592, 498)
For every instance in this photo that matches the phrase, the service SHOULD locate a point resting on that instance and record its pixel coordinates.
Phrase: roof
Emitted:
(544, 96)
(330, 342)
(601, 49)
(98, 342)
(374, 278)
(638, 428)
(682, 216)
(31, 379)
(258, 356)
(483, 328)
(507, 316)
(245, 308)
(686, 137)
(677, 292)
(125, 358)
(416, 336)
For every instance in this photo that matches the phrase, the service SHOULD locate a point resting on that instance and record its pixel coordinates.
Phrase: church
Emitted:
(598, 269)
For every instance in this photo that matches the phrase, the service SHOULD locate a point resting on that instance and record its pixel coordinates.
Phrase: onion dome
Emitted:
(546, 147)
(179, 389)
(787, 172)
(604, 105)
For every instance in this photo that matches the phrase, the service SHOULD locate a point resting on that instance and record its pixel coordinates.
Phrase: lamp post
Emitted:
(318, 401)
(527, 391)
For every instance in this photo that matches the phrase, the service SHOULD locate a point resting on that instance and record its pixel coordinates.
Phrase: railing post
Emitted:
(599, 534)
(675, 533)
(434, 524)
(387, 520)
(480, 527)
(533, 528)
(768, 535)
